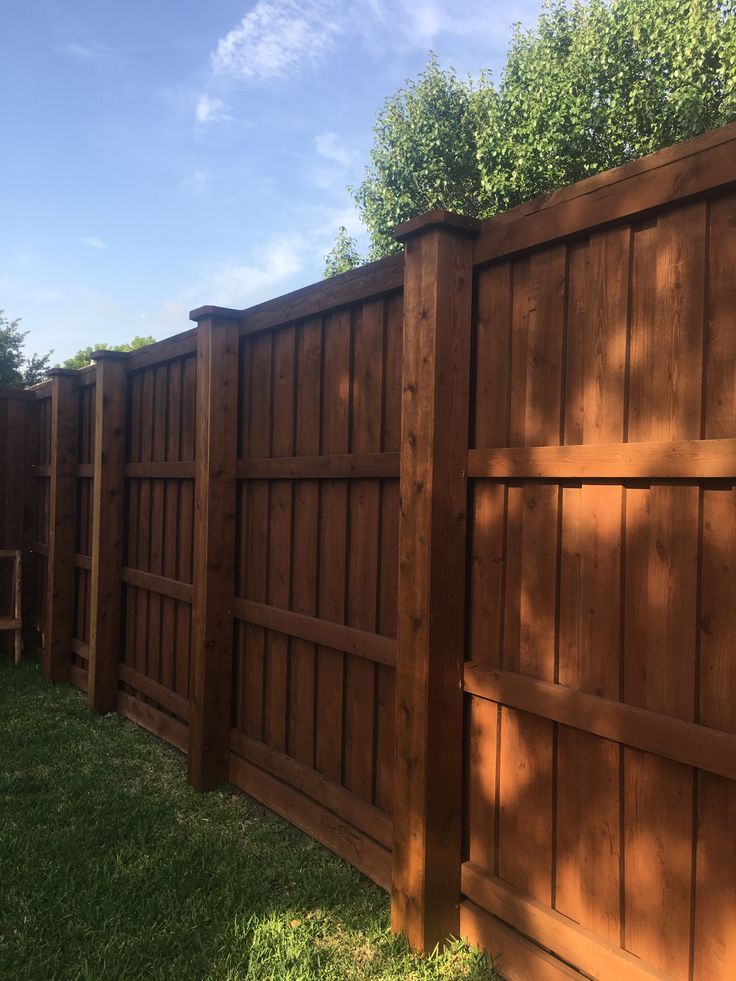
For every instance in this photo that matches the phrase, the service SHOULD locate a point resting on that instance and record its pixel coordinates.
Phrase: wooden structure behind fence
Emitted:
(437, 559)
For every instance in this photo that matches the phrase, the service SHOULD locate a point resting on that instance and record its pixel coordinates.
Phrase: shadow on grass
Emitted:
(111, 866)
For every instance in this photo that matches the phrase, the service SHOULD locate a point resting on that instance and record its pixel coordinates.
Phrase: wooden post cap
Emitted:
(461, 224)
(214, 313)
(103, 354)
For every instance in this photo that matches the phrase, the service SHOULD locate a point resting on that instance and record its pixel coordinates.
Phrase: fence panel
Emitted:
(157, 560)
(597, 581)
(313, 693)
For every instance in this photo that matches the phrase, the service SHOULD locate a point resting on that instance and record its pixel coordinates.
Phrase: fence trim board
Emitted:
(79, 677)
(571, 942)
(161, 470)
(674, 739)
(167, 350)
(520, 959)
(328, 467)
(173, 588)
(367, 855)
(367, 818)
(165, 697)
(707, 166)
(326, 633)
(694, 459)
(161, 725)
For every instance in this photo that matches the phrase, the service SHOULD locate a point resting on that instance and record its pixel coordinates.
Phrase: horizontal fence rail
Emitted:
(436, 559)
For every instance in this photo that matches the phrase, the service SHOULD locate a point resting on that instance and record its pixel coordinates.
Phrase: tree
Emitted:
(83, 357)
(343, 255)
(16, 368)
(424, 154)
(593, 84)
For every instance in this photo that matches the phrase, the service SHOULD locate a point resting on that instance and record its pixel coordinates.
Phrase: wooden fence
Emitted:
(437, 559)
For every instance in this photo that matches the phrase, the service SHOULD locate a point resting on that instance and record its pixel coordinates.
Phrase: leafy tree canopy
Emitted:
(593, 84)
(84, 357)
(342, 256)
(16, 368)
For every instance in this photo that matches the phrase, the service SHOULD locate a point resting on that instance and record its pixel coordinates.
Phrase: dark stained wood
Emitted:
(571, 942)
(164, 726)
(333, 542)
(695, 459)
(304, 571)
(359, 643)
(346, 805)
(214, 553)
(431, 591)
(340, 465)
(364, 504)
(153, 690)
(280, 531)
(647, 730)
(517, 957)
(161, 470)
(62, 498)
(174, 588)
(327, 827)
(108, 505)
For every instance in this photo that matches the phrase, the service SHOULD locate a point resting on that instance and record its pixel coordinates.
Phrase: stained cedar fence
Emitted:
(437, 559)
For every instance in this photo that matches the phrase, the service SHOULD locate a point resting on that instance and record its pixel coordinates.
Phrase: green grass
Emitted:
(111, 867)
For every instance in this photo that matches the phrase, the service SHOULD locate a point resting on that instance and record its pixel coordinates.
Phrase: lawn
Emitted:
(111, 867)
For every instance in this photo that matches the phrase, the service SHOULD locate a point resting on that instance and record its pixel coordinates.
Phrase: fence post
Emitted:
(214, 547)
(62, 518)
(438, 281)
(13, 464)
(108, 503)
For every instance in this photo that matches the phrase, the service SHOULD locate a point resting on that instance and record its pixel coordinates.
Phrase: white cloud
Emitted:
(93, 51)
(275, 39)
(328, 145)
(211, 110)
(240, 286)
(93, 242)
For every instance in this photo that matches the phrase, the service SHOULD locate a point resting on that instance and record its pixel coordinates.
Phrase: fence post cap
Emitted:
(461, 224)
(62, 372)
(215, 313)
(103, 353)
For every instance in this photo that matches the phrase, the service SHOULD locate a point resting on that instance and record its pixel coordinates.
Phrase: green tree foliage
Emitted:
(593, 84)
(343, 255)
(84, 357)
(16, 368)
(424, 156)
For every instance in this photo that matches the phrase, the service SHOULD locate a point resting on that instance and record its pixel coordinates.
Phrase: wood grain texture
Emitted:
(61, 525)
(108, 503)
(431, 603)
(214, 553)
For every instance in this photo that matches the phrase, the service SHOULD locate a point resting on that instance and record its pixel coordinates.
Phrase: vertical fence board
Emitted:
(61, 523)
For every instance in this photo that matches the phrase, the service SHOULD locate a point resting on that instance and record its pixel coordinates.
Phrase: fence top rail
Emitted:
(17, 394)
(372, 280)
(689, 169)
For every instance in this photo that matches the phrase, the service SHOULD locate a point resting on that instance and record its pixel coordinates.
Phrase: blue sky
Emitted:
(162, 155)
